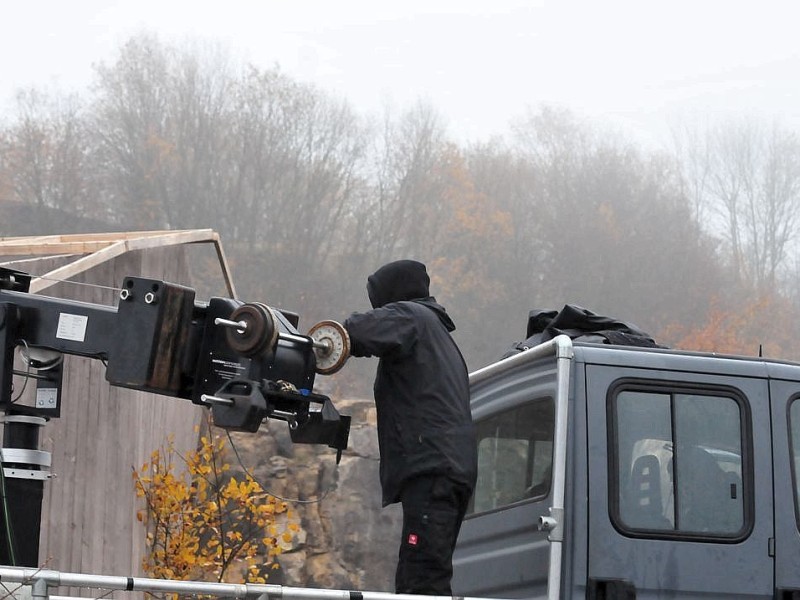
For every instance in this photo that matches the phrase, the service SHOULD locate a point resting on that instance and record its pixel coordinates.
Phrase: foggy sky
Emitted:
(631, 65)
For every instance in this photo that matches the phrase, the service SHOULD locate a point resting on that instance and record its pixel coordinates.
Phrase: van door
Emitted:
(674, 508)
(501, 552)
(786, 459)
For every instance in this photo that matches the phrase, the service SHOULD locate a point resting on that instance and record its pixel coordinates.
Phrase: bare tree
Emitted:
(160, 125)
(295, 166)
(691, 148)
(751, 181)
(45, 153)
(514, 255)
(617, 233)
(405, 208)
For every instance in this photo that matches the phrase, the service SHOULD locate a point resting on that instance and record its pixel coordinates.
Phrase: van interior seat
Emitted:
(644, 503)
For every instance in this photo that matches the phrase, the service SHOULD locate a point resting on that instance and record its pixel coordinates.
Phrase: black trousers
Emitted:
(433, 509)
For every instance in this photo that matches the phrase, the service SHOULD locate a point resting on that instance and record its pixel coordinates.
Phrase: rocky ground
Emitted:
(346, 541)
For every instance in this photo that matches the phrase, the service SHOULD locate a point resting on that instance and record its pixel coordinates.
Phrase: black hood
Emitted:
(440, 311)
(396, 281)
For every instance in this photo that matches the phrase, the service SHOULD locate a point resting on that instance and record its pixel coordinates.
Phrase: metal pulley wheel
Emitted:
(258, 332)
(331, 346)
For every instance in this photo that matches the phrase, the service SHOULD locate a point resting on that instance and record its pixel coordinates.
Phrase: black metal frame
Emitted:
(158, 339)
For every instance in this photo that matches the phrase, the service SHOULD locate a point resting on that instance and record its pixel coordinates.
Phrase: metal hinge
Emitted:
(771, 547)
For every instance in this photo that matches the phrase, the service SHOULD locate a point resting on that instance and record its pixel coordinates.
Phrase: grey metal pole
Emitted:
(564, 354)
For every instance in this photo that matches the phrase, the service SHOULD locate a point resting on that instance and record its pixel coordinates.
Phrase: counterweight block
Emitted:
(258, 333)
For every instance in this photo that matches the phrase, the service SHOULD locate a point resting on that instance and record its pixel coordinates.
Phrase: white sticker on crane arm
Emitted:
(72, 327)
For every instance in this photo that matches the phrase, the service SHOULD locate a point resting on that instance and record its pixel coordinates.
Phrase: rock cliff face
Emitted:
(347, 541)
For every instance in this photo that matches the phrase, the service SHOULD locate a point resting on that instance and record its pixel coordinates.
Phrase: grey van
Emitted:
(623, 472)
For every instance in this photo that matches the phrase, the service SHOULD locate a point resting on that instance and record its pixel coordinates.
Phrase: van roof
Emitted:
(686, 360)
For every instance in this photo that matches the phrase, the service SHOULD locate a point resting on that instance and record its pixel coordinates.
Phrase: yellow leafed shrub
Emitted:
(203, 523)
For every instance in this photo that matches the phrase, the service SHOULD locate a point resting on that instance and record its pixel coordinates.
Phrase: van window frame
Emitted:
(672, 388)
(793, 464)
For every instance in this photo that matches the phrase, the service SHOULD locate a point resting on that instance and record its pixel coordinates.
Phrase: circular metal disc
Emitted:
(271, 336)
(259, 332)
(336, 346)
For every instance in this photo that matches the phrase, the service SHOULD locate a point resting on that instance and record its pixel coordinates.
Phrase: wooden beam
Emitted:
(127, 244)
(96, 248)
(89, 242)
(223, 262)
(78, 266)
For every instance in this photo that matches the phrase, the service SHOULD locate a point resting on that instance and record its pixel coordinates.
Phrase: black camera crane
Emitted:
(246, 362)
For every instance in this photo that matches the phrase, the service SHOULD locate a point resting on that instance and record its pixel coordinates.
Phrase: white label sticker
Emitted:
(72, 327)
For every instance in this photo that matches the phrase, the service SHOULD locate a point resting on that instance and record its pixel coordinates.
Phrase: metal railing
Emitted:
(42, 581)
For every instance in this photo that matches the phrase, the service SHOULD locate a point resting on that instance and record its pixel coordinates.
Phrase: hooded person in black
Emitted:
(425, 433)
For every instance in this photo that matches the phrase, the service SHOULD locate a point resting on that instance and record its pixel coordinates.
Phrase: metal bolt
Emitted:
(240, 326)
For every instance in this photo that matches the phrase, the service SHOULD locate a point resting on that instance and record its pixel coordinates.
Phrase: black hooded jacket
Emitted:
(422, 385)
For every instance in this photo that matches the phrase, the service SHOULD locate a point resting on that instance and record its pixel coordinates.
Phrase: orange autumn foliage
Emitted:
(202, 522)
(765, 326)
(475, 223)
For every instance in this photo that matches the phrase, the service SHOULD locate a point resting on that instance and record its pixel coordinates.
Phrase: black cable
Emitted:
(293, 500)
(40, 366)
(83, 283)
(27, 372)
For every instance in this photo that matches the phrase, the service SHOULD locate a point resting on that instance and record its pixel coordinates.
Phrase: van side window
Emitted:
(677, 463)
(794, 438)
(515, 456)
